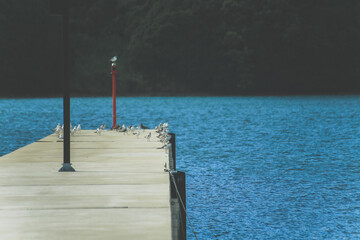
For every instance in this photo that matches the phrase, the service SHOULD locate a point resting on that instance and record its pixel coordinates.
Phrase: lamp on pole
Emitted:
(113, 73)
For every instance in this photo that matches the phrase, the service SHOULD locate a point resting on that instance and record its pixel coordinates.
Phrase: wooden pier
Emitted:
(119, 190)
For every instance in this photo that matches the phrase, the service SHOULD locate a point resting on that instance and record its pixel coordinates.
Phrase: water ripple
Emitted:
(256, 167)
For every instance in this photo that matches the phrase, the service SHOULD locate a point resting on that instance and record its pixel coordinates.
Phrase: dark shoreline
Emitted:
(189, 95)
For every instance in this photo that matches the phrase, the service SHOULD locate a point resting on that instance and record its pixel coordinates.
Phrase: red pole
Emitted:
(113, 73)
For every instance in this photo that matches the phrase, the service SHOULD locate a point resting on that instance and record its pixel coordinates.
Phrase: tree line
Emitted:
(169, 47)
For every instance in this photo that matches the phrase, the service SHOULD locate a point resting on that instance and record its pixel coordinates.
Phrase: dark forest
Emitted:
(187, 47)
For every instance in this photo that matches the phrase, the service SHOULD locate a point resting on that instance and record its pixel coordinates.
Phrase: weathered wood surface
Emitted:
(119, 189)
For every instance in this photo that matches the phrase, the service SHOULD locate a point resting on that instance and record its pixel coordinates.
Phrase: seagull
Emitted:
(57, 127)
(98, 131)
(121, 129)
(128, 130)
(61, 136)
(137, 133)
(162, 128)
(73, 131)
(163, 133)
(78, 129)
(165, 146)
(148, 136)
(117, 126)
(165, 168)
(132, 128)
(113, 59)
(166, 138)
(102, 127)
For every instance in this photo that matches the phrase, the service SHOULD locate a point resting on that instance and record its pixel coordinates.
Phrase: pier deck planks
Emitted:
(119, 189)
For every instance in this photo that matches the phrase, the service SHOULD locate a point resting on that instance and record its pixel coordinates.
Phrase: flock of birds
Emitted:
(162, 130)
(59, 130)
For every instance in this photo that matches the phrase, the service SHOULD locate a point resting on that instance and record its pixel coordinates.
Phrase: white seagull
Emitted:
(113, 59)
(98, 131)
(148, 136)
(137, 133)
(58, 129)
(73, 131)
(58, 126)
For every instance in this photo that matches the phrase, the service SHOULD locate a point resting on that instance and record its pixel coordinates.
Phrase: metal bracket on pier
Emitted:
(66, 168)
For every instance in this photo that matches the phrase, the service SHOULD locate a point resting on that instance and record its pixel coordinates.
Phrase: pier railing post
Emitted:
(172, 152)
(178, 205)
(178, 195)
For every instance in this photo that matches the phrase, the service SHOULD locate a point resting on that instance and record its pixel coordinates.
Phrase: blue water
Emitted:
(256, 167)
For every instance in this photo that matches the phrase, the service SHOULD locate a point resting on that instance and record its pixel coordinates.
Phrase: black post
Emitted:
(61, 7)
(173, 149)
(179, 192)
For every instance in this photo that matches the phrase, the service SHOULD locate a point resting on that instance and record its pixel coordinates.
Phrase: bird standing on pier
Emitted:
(102, 127)
(58, 129)
(132, 129)
(73, 131)
(143, 127)
(58, 126)
(98, 131)
(121, 129)
(148, 136)
(137, 133)
(117, 126)
(165, 139)
(166, 147)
